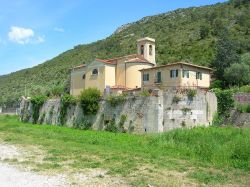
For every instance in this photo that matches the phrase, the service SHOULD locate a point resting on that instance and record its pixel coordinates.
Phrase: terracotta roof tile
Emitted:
(120, 87)
(80, 66)
(177, 63)
(104, 61)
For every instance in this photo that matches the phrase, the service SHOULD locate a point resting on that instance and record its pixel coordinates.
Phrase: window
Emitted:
(158, 77)
(146, 77)
(142, 49)
(199, 75)
(174, 73)
(84, 76)
(185, 73)
(150, 50)
(95, 72)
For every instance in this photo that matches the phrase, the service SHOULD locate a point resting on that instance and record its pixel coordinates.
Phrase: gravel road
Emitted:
(11, 176)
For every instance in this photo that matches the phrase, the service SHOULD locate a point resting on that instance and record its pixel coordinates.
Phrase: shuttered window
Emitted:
(174, 73)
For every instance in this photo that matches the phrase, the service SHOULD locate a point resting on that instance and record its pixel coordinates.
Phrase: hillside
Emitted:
(185, 34)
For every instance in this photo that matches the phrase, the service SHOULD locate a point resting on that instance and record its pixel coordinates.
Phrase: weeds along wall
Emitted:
(135, 114)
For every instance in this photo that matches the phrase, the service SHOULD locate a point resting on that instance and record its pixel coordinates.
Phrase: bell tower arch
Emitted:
(146, 48)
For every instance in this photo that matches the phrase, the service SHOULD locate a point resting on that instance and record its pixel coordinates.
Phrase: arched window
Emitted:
(150, 50)
(142, 49)
(84, 76)
(95, 72)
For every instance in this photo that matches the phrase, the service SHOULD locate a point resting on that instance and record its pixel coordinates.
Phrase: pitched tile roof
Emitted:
(119, 87)
(179, 63)
(129, 58)
(80, 66)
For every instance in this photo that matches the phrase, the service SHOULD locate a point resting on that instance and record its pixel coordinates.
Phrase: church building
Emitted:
(117, 74)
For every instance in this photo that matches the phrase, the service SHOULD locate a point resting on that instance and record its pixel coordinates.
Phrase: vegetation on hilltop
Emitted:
(185, 34)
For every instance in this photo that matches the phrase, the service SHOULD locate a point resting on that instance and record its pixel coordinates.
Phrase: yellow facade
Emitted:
(77, 83)
(136, 71)
(188, 80)
(123, 72)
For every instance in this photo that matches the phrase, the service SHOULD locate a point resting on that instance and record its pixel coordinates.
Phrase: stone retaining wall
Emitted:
(143, 114)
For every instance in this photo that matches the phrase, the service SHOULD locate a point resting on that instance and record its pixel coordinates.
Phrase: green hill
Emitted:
(184, 34)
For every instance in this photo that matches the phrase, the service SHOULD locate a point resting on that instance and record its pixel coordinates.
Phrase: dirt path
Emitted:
(11, 176)
(16, 175)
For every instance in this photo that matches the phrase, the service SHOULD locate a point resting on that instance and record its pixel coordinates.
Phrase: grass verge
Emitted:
(189, 151)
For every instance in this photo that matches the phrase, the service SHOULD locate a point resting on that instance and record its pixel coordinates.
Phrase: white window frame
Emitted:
(145, 77)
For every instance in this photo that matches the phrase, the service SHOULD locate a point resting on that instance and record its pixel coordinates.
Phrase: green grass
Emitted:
(123, 154)
(243, 108)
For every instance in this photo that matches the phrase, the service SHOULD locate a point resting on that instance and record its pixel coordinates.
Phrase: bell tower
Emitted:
(146, 48)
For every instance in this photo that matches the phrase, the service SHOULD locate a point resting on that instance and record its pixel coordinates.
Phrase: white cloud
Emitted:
(20, 35)
(58, 29)
(24, 36)
(39, 39)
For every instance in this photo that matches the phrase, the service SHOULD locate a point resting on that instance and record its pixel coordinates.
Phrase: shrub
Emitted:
(217, 84)
(145, 93)
(89, 100)
(225, 102)
(115, 100)
(57, 91)
(66, 101)
(185, 110)
(84, 125)
(245, 89)
(176, 99)
(37, 102)
(191, 93)
(243, 108)
(41, 120)
(111, 126)
(121, 123)
(217, 120)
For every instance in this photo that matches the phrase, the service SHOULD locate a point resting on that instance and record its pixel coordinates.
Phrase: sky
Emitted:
(32, 31)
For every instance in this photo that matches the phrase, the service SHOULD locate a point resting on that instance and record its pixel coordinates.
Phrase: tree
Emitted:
(226, 54)
(204, 31)
(238, 3)
(245, 59)
(237, 74)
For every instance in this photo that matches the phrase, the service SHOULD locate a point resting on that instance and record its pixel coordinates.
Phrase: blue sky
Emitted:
(32, 32)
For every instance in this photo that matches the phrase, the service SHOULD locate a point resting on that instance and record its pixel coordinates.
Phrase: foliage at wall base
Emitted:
(37, 102)
(89, 100)
(115, 100)
(66, 101)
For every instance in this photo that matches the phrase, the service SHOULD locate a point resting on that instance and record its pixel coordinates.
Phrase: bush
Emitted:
(176, 99)
(245, 89)
(217, 120)
(217, 84)
(57, 91)
(37, 102)
(111, 126)
(66, 101)
(121, 123)
(237, 74)
(185, 110)
(191, 93)
(243, 108)
(84, 125)
(145, 93)
(89, 100)
(115, 100)
(225, 102)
